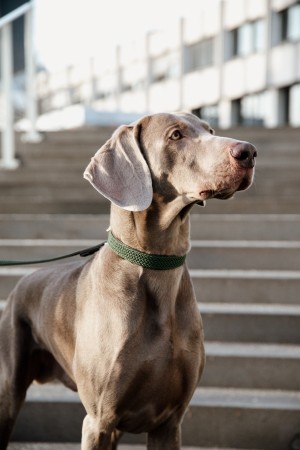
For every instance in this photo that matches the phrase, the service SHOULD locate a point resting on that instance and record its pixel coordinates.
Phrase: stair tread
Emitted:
(243, 244)
(203, 396)
(252, 308)
(252, 350)
(194, 217)
(247, 398)
(250, 274)
(74, 446)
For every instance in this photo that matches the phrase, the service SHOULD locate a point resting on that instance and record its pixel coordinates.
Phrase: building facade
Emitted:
(234, 63)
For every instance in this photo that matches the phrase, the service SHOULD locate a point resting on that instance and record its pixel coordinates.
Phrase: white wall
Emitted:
(201, 87)
(283, 64)
(278, 5)
(164, 96)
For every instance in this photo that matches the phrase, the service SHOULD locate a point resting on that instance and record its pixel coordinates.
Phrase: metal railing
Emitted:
(8, 159)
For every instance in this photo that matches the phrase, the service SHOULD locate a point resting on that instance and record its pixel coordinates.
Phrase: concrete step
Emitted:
(47, 205)
(279, 160)
(251, 323)
(203, 226)
(229, 254)
(255, 205)
(73, 446)
(232, 418)
(27, 176)
(247, 286)
(220, 254)
(40, 204)
(32, 178)
(53, 226)
(251, 366)
(278, 139)
(34, 192)
(215, 286)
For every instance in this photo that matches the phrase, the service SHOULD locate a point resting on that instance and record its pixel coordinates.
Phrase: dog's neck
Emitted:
(157, 230)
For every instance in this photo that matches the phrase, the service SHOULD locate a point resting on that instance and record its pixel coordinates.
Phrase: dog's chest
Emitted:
(158, 372)
(156, 387)
(149, 363)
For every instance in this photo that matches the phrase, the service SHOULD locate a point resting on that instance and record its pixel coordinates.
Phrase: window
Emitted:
(284, 105)
(199, 55)
(246, 39)
(249, 110)
(286, 25)
(208, 113)
(294, 105)
(283, 25)
(293, 22)
(244, 45)
(165, 66)
(259, 38)
(252, 110)
(236, 112)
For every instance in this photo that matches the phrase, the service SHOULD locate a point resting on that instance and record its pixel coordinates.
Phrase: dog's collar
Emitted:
(146, 260)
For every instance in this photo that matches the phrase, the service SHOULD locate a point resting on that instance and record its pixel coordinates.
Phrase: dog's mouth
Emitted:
(224, 193)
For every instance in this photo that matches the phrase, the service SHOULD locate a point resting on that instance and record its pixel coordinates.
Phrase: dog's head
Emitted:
(171, 155)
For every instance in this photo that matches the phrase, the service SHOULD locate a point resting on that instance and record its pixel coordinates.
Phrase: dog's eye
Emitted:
(211, 131)
(176, 135)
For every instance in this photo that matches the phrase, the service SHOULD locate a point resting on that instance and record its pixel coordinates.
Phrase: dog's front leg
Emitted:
(96, 436)
(165, 437)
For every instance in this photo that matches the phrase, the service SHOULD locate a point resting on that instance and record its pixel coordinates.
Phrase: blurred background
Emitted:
(232, 63)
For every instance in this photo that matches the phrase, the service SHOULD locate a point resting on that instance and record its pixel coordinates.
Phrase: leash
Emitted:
(83, 253)
(148, 261)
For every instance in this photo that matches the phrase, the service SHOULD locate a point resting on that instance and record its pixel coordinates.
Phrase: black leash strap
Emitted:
(85, 252)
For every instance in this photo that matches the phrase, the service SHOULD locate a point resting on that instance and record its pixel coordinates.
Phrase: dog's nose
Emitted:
(244, 153)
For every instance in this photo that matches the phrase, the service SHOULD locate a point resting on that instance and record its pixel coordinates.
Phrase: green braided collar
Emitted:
(148, 261)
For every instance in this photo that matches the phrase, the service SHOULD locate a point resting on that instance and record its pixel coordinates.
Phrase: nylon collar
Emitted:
(146, 260)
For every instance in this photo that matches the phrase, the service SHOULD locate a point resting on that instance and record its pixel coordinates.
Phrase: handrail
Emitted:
(8, 160)
(13, 15)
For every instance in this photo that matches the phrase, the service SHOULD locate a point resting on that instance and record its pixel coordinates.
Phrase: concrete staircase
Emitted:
(246, 273)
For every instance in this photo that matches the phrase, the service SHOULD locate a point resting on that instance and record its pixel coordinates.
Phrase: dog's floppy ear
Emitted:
(120, 173)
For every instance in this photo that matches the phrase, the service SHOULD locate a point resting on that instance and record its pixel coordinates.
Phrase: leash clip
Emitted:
(91, 250)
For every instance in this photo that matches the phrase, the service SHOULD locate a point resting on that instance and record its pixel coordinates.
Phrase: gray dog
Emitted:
(123, 327)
